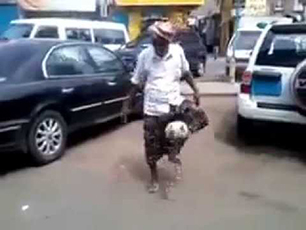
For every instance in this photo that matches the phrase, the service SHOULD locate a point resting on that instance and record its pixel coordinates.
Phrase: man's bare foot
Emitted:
(153, 187)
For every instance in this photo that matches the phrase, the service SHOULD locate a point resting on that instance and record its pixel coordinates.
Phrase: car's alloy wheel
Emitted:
(47, 137)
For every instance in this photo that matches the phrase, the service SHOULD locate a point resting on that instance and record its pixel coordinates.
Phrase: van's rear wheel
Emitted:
(47, 137)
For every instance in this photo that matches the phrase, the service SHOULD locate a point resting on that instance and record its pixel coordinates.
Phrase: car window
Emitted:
(109, 36)
(188, 38)
(16, 31)
(246, 40)
(69, 60)
(282, 49)
(78, 34)
(140, 41)
(105, 61)
(47, 32)
(145, 41)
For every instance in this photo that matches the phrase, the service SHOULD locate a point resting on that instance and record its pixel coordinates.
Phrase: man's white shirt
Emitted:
(161, 77)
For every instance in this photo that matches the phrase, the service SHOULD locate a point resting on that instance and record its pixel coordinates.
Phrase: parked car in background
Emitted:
(240, 49)
(129, 52)
(273, 87)
(195, 51)
(111, 35)
(49, 88)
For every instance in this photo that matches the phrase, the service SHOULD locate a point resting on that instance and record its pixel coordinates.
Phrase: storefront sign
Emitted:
(256, 7)
(158, 2)
(58, 5)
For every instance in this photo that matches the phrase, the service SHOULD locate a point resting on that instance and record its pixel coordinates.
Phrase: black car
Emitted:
(195, 51)
(49, 88)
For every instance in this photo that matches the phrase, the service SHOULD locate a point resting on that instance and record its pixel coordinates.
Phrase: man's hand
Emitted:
(187, 76)
(196, 98)
(127, 104)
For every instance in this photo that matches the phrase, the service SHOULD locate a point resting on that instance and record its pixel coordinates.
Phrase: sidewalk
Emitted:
(215, 70)
(212, 89)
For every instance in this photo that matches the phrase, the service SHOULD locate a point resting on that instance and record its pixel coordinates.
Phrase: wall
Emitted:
(159, 2)
(8, 12)
(285, 6)
(134, 16)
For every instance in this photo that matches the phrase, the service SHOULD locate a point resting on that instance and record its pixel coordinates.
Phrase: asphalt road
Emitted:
(101, 182)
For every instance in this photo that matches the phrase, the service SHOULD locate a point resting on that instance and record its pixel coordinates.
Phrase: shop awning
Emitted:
(159, 2)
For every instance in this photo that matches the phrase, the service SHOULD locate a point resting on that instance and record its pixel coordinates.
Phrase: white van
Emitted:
(112, 35)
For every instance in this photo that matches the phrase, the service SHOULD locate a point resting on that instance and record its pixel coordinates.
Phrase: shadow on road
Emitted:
(83, 135)
(14, 161)
(275, 139)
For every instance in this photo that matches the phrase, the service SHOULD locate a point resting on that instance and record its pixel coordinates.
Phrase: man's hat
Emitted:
(164, 30)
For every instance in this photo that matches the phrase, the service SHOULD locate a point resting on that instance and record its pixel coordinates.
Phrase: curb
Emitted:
(213, 94)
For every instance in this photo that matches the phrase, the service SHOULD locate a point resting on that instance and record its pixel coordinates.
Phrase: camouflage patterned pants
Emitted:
(156, 143)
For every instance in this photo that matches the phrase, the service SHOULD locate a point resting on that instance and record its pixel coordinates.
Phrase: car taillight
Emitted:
(246, 82)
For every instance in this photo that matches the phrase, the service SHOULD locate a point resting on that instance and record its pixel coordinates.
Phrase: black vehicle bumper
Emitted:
(12, 135)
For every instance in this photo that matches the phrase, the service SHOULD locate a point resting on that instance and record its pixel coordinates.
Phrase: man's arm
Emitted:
(187, 76)
(132, 94)
(137, 83)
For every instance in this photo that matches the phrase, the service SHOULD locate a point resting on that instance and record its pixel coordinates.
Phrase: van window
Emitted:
(282, 49)
(78, 34)
(109, 37)
(47, 32)
(16, 31)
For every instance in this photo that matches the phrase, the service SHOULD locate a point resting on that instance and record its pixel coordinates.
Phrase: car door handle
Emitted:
(111, 83)
(67, 90)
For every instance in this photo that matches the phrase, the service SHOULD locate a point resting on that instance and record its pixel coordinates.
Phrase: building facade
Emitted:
(8, 12)
(135, 13)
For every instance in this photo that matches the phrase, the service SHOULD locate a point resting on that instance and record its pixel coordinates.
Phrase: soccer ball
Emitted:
(177, 130)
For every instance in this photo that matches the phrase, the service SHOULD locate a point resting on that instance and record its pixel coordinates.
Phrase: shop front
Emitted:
(136, 14)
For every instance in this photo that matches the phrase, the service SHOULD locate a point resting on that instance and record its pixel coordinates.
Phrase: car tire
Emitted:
(244, 127)
(47, 137)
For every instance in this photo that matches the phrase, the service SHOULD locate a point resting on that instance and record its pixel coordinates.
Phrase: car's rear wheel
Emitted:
(47, 137)
(244, 127)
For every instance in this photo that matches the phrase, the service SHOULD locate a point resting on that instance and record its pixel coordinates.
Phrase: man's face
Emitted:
(161, 46)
